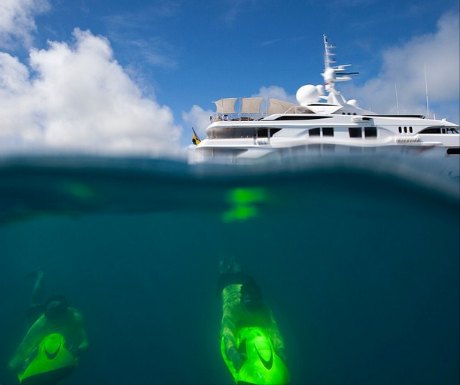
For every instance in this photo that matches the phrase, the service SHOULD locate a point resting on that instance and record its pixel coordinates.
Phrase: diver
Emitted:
(54, 342)
(251, 344)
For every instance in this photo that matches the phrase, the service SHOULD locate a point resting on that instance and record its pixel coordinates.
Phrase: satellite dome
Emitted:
(307, 94)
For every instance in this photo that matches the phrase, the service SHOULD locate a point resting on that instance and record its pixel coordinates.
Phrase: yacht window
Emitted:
(328, 131)
(314, 132)
(400, 130)
(410, 129)
(431, 130)
(370, 132)
(262, 132)
(405, 130)
(355, 132)
(439, 130)
(240, 132)
(266, 132)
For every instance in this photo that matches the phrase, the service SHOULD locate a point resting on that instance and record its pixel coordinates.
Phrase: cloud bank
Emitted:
(275, 92)
(17, 20)
(77, 97)
(198, 118)
(405, 66)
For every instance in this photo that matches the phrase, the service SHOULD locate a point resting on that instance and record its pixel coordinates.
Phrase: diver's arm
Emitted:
(230, 299)
(228, 334)
(231, 296)
(84, 341)
(80, 331)
(275, 336)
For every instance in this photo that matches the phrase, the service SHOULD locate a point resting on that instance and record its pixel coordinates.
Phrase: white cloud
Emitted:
(235, 8)
(77, 97)
(17, 20)
(404, 67)
(198, 118)
(275, 92)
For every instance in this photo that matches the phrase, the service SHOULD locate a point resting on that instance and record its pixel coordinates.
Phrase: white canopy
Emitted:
(276, 106)
(251, 105)
(225, 106)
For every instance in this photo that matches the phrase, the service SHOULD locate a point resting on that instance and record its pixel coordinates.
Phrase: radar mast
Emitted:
(333, 74)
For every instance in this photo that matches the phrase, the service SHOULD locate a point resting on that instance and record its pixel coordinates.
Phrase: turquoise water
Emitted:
(359, 261)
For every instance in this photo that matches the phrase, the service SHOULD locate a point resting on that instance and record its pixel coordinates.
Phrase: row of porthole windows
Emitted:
(354, 132)
(406, 129)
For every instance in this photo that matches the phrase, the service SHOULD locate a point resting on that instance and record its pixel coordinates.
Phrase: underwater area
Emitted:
(358, 260)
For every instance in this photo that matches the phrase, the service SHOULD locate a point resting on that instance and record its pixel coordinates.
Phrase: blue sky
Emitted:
(134, 76)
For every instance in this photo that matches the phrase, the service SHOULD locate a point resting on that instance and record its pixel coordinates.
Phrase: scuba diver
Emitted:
(52, 346)
(251, 344)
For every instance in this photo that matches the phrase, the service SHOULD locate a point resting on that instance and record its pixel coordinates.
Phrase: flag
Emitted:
(195, 139)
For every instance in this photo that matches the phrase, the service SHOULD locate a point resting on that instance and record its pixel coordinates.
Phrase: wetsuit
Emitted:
(236, 316)
(71, 327)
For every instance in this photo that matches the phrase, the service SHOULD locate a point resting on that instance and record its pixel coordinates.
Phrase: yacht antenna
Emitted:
(328, 54)
(333, 74)
(397, 103)
(426, 94)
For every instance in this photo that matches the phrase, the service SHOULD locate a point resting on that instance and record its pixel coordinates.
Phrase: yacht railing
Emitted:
(217, 117)
(239, 116)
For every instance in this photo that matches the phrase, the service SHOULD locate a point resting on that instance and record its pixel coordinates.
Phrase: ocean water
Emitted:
(358, 259)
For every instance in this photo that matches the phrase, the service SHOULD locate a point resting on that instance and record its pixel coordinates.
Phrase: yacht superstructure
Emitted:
(322, 121)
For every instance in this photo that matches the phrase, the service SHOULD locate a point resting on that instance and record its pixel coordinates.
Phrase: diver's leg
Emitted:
(37, 292)
(37, 298)
(229, 273)
(228, 264)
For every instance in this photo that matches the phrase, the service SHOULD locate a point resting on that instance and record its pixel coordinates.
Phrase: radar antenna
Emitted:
(333, 74)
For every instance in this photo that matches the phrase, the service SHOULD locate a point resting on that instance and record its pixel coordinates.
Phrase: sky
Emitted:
(133, 77)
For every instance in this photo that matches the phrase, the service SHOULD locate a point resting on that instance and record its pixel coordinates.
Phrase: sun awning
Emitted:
(225, 106)
(251, 105)
(276, 106)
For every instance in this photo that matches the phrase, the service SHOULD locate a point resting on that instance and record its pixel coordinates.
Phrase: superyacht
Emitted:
(248, 129)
